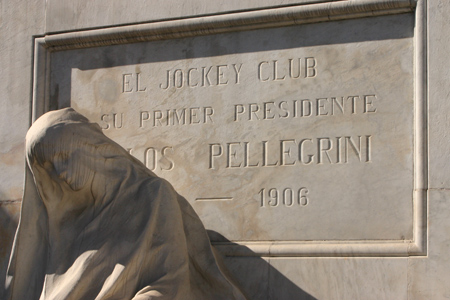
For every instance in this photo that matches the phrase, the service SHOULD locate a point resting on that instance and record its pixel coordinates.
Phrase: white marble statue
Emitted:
(97, 224)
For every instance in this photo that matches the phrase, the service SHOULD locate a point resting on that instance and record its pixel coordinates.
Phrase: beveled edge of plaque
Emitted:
(270, 18)
(230, 22)
(362, 248)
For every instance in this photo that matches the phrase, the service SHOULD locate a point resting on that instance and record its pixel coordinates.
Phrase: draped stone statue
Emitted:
(96, 224)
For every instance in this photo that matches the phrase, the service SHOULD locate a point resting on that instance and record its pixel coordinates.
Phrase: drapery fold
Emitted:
(96, 224)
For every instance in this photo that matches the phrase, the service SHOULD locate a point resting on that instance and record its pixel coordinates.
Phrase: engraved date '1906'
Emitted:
(287, 197)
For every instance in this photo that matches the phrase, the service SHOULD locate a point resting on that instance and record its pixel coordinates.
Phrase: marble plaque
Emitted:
(301, 133)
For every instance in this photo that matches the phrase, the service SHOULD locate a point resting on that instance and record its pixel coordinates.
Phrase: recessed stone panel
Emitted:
(301, 133)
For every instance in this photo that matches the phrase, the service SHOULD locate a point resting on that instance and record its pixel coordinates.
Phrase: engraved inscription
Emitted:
(202, 76)
(159, 159)
(329, 106)
(112, 121)
(275, 70)
(291, 152)
(131, 82)
(176, 116)
(286, 197)
(252, 126)
(211, 199)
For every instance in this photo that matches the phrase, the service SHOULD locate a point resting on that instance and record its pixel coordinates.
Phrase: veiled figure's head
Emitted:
(65, 152)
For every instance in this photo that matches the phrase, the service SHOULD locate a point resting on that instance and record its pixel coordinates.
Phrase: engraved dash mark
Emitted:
(215, 199)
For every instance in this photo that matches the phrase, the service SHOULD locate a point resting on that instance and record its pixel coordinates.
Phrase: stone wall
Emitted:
(20, 22)
(375, 272)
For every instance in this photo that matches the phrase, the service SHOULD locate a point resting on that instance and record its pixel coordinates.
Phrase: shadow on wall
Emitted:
(9, 216)
(258, 279)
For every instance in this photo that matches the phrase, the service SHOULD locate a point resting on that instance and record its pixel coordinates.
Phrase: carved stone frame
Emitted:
(268, 18)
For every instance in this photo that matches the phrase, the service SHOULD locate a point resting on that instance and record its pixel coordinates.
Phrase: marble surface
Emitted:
(439, 90)
(266, 130)
(19, 21)
(324, 278)
(422, 277)
(428, 276)
(346, 278)
(78, 14)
